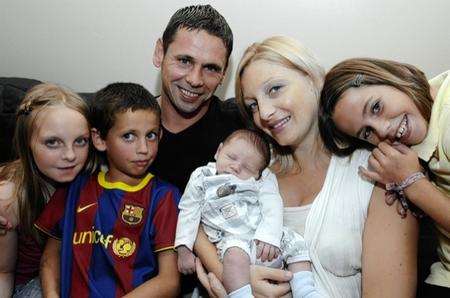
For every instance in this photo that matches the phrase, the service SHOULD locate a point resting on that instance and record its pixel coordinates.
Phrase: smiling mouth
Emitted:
(280, 123)
(189, 94)
(402, 129)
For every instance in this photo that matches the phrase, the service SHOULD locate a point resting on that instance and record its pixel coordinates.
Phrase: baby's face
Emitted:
(240, 158)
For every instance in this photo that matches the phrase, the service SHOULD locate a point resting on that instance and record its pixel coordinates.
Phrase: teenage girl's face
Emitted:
(60, 143)
(380, 112)
(283, 102)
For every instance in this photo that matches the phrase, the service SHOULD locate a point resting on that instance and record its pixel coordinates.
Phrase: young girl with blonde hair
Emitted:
(52, 142)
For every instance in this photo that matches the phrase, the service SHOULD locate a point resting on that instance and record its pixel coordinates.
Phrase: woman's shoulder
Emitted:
(345, 176)
(353, 161)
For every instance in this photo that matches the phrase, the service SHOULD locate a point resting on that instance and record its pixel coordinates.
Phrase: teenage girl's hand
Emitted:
(391, 163)
(5, 225)
(266, 251)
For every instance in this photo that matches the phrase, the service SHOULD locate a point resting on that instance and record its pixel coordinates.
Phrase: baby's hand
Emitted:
(186, 260)
(5, 225)
(266, 251)
(391, 163)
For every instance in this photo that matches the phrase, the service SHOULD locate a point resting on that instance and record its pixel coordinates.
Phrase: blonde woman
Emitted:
(358, 245)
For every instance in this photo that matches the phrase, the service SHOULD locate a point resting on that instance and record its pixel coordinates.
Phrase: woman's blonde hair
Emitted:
(32, 188)
(289, 53)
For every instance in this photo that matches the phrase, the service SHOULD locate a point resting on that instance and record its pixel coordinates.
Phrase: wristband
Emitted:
(398, 190)
(399, 187)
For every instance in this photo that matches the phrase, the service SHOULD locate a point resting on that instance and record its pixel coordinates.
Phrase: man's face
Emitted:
(191, 69)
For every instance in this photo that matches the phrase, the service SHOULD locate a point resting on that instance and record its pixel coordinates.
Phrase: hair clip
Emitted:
(358, 80)
(26, 110)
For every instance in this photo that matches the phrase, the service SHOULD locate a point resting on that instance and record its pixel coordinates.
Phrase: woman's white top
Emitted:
(335, 225)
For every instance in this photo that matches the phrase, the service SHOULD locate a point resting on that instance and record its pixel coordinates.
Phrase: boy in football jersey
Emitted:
(112, 233)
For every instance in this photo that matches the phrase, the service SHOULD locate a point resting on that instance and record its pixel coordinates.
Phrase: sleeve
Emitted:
(445, 133)
(190, 211)
(165, 220)
(270, 227)
(51, 219)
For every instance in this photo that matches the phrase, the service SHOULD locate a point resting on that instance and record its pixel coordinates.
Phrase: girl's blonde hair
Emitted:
(286, 52)
(32, 188)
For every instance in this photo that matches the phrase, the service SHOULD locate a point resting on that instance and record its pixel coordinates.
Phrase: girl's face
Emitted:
(60, 143)
(380, 112)
(282, 100)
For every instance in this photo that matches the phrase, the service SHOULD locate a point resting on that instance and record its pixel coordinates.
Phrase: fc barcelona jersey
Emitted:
(110, 233)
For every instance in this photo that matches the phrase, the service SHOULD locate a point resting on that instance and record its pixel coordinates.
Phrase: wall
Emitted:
(85, 44)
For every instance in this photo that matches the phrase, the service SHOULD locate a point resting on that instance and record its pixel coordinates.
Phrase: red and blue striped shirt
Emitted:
(110, 233)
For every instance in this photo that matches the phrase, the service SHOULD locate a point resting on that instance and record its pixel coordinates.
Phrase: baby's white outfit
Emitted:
(236, 212)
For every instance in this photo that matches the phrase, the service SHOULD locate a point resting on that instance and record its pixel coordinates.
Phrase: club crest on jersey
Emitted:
(132, 214)
(123, 247)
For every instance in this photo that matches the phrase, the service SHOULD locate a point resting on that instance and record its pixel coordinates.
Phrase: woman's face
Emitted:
(60, 143)
(282, 101)
(375, 113)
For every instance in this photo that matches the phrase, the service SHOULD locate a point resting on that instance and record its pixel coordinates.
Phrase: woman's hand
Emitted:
(262, 278)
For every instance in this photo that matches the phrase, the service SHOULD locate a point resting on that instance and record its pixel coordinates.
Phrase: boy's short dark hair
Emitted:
(118, 98)
(255, 138)
(199, 17)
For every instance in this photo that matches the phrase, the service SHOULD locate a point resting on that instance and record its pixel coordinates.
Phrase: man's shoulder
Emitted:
(225, 106)
(225, 113)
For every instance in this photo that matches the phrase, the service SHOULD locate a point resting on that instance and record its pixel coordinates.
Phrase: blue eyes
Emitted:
(252, 106)
(128, 137)
(54, 143)
(152, 136)
(273, 90)
(131, 137)
(81, 142)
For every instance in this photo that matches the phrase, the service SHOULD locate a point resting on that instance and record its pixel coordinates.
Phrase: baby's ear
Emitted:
(97, 140)
(160, 134)
(218, 150)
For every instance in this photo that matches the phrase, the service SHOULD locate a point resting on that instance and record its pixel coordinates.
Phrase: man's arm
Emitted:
(389, 251)
(166, 283)
(50, 275)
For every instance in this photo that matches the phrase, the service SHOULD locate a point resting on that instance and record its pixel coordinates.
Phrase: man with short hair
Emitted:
(193, 57)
